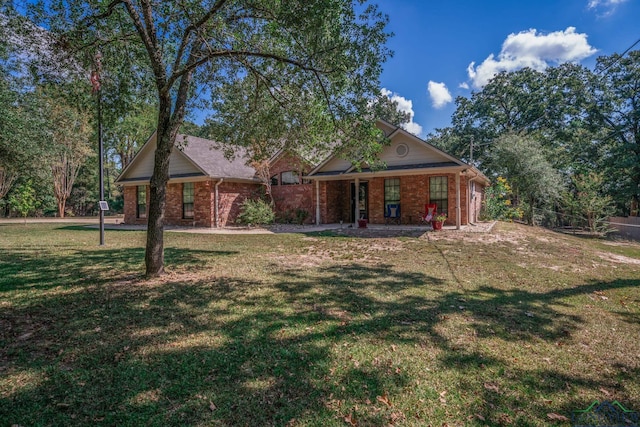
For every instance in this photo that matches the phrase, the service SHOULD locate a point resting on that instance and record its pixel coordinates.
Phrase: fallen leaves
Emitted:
(350, 419)
(384, 399)
(556, 417)
(605, 391)
(601, 295)
(492, 387)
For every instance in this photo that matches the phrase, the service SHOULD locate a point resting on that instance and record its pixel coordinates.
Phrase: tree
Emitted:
(125, 135)
(330, 49)
(23, 199)
(617, 112)
(586, 203)
(536, 185)
(550, 106)
(70, 137)
(7, 177)
(498, 203)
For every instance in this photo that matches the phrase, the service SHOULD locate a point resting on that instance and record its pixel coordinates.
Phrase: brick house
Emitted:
(416, 174)
(207, 190)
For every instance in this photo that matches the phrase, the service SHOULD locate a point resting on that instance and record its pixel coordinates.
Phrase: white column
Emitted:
(317, 202)
(458, 210)
(356, 208)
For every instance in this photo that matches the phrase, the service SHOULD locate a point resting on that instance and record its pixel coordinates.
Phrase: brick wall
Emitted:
(289, 198)
(202, 212)
(231, 195)
(475, 202)
(334, 201)
(131, 204)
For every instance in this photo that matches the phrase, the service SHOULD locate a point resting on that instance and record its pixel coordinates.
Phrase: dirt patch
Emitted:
(620, 259)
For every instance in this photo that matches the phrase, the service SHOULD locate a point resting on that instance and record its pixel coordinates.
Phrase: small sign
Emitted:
(104, 206)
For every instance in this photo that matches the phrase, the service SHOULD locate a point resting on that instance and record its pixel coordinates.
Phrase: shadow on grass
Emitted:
(29, 269)
(228, 351)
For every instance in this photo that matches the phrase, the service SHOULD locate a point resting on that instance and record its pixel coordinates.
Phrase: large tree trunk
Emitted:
(61, 205)
(154, 255)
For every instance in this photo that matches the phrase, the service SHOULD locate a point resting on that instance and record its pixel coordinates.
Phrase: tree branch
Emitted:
(194, 27)
(154, 54)
(243, 53)
(110, 8)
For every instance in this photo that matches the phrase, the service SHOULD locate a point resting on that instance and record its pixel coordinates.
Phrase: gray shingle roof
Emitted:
(205, 154)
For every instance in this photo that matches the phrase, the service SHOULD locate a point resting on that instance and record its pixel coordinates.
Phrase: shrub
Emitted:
(301, 216)
(255, 212)
(497, 203)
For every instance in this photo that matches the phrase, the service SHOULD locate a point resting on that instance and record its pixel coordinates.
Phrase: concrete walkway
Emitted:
(115, 223)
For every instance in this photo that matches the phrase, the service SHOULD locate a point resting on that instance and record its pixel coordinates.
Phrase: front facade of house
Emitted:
(417, 174)
(207, 190)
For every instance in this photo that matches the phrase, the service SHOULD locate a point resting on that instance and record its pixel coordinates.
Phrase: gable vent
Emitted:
(402, 150)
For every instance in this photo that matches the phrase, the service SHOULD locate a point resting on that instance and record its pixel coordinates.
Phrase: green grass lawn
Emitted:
(520, 326)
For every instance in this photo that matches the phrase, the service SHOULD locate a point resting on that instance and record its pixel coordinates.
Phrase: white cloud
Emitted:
(534, 50)
(593, 4)
(404, 105)
(604, 7)
(464, 85)
(440, 95)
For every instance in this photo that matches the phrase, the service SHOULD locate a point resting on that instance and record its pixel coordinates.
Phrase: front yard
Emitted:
(520, 326)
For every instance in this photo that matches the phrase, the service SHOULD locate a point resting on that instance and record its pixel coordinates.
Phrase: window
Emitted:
(187, 200)
(290, 178)
(391, 193)
(141, 201)
(274, 180)
(439, 192)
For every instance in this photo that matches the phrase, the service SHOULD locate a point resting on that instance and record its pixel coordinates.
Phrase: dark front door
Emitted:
(363, 209)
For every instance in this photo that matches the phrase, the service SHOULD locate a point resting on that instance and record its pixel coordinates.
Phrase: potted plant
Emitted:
(438, 220)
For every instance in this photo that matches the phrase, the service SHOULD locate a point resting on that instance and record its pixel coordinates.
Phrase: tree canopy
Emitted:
(317, 60)
(582, 122)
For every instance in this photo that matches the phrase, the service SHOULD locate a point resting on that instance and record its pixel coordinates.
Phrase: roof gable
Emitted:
(196, 157)
(405, 152)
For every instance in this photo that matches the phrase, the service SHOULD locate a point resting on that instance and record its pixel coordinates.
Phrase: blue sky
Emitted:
(458, 44)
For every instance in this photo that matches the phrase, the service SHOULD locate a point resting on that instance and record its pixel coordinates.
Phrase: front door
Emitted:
(363, 199)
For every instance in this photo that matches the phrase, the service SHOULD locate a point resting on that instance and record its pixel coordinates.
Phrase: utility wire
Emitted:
(621, 56)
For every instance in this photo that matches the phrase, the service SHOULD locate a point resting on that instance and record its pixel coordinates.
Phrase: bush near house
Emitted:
(256, 212)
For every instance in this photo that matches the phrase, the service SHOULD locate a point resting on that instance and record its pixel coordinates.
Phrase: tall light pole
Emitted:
(95, 82)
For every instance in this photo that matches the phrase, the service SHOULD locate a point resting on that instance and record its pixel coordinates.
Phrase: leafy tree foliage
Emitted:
(586, 204)
(256, 212)
(23, 199)
(536, 185)
(498, 202)
(617, 113)
(584, 122)
(70, 141)
(318, 49)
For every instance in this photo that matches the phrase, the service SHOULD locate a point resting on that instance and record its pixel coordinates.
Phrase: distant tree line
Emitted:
(566, 139)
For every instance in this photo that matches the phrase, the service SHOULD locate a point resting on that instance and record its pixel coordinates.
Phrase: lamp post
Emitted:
(95, 82)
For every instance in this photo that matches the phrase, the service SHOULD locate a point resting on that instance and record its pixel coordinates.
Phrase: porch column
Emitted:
(356, 208)
(458, 210)
(317, 202)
